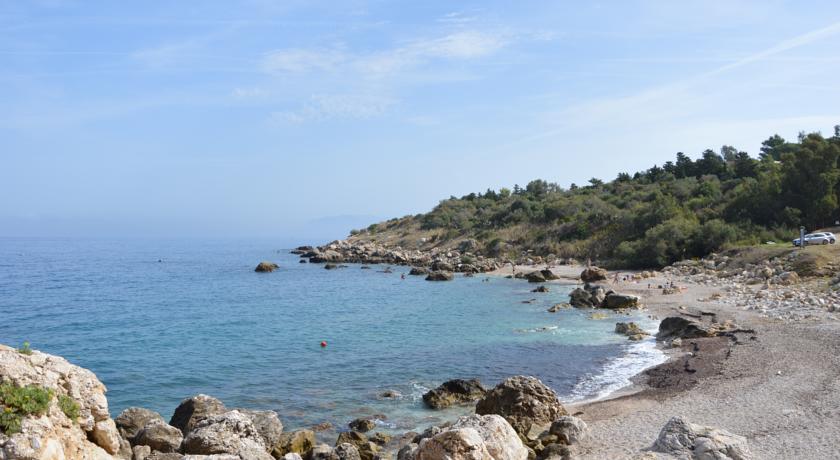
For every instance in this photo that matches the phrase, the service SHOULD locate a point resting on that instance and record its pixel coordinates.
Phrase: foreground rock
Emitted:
(266, 267)
(476, 437)
(54, 435)
(159, 436)
(523, 402)
(456, 391)
(295, 442)
(193, 410)
(687, 440)
(440, 276)
(592, 274)
(133, 419)
(229, 433)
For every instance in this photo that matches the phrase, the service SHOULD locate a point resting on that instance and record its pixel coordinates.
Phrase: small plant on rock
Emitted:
(19, 402)
(69, 406)
(25, 349)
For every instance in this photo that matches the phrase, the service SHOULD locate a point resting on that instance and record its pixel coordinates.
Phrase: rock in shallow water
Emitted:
(457, 391)
(266, 267)
(522, 401)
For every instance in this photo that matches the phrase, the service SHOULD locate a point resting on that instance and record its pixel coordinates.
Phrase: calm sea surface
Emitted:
(161, 320)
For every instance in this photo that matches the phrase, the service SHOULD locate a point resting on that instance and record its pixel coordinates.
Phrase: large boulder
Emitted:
(687, 440)
(193, 410)
(549, 275)
(159, 436)
(592, 274)
(569, 430)
(589, 296)
(133, 419)
(53, 434)
(294, 442)
(267, 423)
(476, 437)
(230, 433)
(535, 277)
(685, 328)
(522, 401)
(615, 300)
(440, 276)
(266, 267)
(457, 391)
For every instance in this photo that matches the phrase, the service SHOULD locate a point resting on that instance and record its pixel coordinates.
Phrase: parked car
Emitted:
(817, 238)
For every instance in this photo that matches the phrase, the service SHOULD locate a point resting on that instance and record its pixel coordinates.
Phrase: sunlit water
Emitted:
(158, 321)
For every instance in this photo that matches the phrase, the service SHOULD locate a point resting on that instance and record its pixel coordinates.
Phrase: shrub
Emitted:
(25, 349)
(69, 406)
(19, 402)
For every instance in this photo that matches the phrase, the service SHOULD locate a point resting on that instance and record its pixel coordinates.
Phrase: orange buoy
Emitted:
(324, 344)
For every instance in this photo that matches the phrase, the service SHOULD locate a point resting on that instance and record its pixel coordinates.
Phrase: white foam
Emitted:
(617, 372)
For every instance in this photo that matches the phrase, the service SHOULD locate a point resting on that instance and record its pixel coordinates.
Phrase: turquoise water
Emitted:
(160, 320)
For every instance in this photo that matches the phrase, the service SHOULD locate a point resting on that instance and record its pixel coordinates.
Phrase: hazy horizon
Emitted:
(303, 120)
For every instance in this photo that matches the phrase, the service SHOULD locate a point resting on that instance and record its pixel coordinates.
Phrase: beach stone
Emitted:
(569, 430)
(440, 276)
(683, 439)
(457, 391)
(362, 425)
(380, 438)
(591, 274)
(267, 423)
(159, 436)
(230, 433)
(475, 437)
(408, 451)
(682, 328)
(522, 401)
(630, 329)
(133, 419)
(616, 300)
(297, 442)
(266, 267)
(195, 409)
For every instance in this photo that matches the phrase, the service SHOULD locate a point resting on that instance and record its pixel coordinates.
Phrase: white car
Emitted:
(817, 238)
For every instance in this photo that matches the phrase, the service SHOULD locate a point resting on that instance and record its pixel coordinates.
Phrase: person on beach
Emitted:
(615, 278)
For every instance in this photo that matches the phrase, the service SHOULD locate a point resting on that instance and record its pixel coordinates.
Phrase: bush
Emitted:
(25, 349)
(69, 406)
(19, 402)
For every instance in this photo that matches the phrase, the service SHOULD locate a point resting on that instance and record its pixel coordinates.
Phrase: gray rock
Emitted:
(133, 419)
(267, 424)
(440, 276)
(569, 430)
(522, 401)
(266, 267)
(159, 436)
(194, 410)
(616, 300)
(683, 439)
(229, 433)
(457, 391)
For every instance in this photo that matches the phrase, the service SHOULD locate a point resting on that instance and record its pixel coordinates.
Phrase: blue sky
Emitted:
(304, 119)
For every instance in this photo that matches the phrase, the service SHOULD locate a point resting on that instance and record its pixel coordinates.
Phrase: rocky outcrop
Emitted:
(476, 437)
(266, 267)
(522, 401)
(674, 327)
(230, 433)
(458, 391)
(440, 276)
(595, 296)
(682, 439)
(54, 435)
(448, 260)
(193, 410)
(593, 274)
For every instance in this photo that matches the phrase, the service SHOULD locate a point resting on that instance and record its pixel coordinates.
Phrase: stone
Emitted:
(440, 276)
(522, 401)
(569, 430)
(140, 452)
(475, 437)
(362, 425)
(230, 433)
(687, 440)
(418, 271)
(592, 274)
(267, 423)
(266, 267)
(367, 450)
(297, 442)
(457, 391)
(535, 277)
(347, 451)
(615, 300)
(159, 436)
(555, 452)
(541, 289)
(193, 410)
(133, 419)
(683, 328)
(630, 329)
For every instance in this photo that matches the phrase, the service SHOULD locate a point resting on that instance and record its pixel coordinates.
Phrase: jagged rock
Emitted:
(380, 438)
(266, 267)
(569, 430)
(92, 435)
(140, 452)
(408, 451)
(683, 328)
(195, 409)
(230, 433)
(522, 401)
(366, 449)
(321, 452)
(592, 274)
(615, 300)
(296, 442)
(267, 423)
(476, 437)
(331, 266)
(347, 451)
(683, 439)
(133, 419)
(630, 329)
(418, 271)
(457, 391)
(362, 425)
(440, 276)
(159, 436)
(589, 296)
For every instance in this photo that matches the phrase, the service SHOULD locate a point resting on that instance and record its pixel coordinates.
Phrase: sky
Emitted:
(304, 119)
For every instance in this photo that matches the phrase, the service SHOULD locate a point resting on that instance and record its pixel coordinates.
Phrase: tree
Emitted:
(744, 166)
(810, 179)
(728, 153)
(772, 148)
(684, 167)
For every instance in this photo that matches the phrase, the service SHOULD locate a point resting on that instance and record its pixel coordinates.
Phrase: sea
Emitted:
(161, 320)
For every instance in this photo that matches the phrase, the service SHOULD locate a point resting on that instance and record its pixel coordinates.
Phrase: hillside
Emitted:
(685, 208)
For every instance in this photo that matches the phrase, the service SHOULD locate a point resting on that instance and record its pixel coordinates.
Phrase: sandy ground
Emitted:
(779, 387)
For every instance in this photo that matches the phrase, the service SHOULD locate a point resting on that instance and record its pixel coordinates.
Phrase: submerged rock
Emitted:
(457, 391)
(418, 271)
(540, 289)
(522, 401)
(266, 267)
(440, 276)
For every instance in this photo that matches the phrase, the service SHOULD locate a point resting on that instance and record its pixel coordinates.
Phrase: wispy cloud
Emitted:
(302, 60)
(322, 107)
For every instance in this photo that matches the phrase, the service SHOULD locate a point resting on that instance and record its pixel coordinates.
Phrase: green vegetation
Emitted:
(685, 208)
(18, 402)
(69, 406)
(25, 349)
